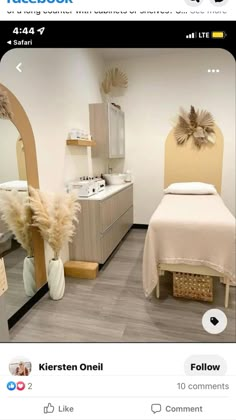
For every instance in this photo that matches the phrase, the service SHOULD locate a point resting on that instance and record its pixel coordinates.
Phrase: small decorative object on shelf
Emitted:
(77, 134)
(78, 137)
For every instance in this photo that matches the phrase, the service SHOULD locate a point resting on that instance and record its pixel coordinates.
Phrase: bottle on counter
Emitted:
(128, 176)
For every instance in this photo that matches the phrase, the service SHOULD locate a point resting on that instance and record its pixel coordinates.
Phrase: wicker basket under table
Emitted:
(193, 286)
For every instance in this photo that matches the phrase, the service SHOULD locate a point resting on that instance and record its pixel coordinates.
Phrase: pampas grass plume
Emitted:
(55, 216)
(17, 216)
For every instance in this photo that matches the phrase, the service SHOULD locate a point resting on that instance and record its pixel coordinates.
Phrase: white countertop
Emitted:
(109, 191)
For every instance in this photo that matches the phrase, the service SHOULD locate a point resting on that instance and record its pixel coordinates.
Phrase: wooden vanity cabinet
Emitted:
(102, 225)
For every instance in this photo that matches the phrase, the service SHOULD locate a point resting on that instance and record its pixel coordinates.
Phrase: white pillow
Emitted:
(190, 188)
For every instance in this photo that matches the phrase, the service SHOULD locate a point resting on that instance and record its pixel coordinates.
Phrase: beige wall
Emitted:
(8, 160)
(158, 84)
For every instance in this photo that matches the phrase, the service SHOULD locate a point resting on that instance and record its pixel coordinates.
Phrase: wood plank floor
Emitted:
(113, 308)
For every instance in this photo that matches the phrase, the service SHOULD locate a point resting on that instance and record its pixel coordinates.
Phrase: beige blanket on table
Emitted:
(189, 229)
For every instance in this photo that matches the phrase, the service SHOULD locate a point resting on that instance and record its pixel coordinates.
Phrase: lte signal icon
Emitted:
(192, 35)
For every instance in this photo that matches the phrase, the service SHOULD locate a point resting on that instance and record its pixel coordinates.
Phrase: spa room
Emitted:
(117, 195)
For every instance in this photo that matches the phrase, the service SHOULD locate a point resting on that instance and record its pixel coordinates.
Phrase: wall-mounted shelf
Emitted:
(81, 142)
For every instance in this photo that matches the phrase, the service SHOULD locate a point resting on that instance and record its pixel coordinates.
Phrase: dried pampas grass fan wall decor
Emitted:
(5, 110)
(55, 216)
(196, 124)
(114, 78)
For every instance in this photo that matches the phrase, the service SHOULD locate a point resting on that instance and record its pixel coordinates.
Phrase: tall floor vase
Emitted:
(56, 279)
(29, 276)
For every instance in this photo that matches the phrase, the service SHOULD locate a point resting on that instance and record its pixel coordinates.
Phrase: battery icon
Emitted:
(218, 35)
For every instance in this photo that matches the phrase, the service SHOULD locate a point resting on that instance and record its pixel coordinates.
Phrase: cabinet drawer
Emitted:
(112, 208)
(111, 238)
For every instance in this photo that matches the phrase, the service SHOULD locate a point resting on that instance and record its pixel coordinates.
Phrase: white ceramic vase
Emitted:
(56, 279)
(29, 276)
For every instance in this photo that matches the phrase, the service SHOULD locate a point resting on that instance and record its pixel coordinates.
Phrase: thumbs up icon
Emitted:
(48, 409)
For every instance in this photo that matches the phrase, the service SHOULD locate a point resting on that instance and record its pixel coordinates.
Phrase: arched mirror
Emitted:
(18, 170)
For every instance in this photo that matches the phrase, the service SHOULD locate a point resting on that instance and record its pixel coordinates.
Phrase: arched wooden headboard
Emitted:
(187, 163)
(22, 123)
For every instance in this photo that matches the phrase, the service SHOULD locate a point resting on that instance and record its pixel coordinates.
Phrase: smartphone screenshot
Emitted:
(117, 210)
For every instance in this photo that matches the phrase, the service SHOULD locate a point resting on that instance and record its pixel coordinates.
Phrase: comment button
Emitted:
(156, 408)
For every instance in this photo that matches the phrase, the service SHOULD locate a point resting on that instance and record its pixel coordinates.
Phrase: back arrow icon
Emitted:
(18, 67)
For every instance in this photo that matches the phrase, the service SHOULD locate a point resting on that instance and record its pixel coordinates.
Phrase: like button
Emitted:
(48, 409)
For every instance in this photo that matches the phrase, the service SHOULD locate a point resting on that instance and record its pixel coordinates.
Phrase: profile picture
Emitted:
(20, 367)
